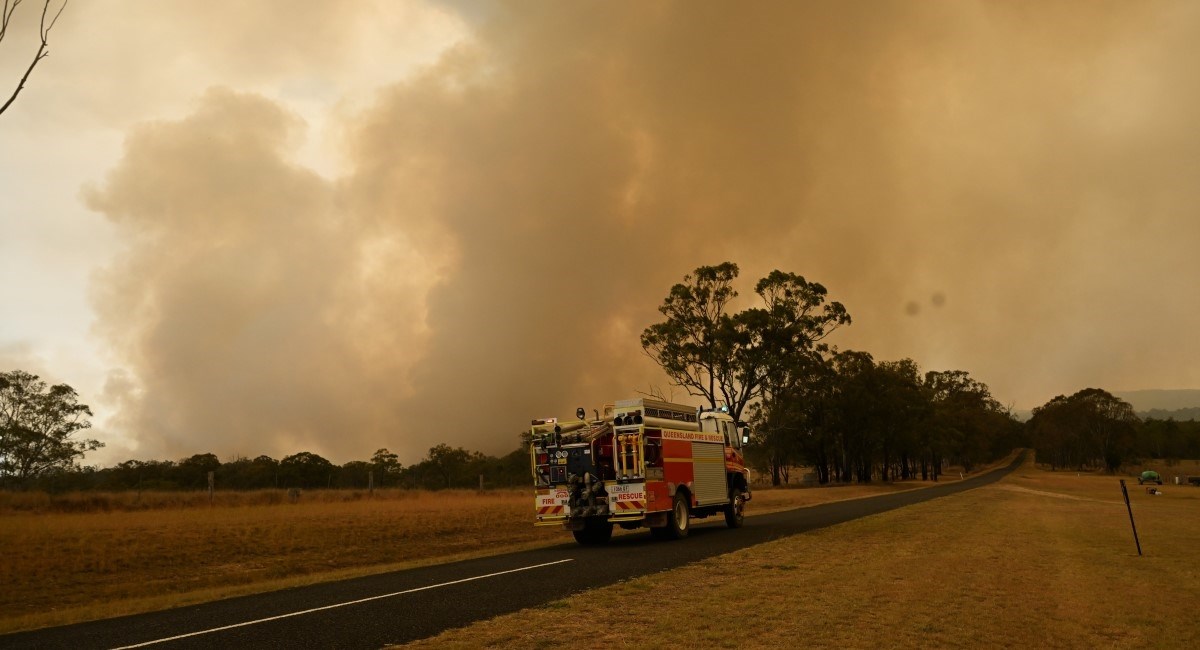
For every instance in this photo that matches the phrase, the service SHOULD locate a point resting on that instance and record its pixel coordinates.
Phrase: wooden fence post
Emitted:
(1125, 493)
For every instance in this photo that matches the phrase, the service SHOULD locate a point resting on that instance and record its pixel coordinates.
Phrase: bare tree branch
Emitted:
(44, 28)
(657, 393)
(6, 15)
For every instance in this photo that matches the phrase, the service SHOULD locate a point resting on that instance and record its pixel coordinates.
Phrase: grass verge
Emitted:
(86, 557)
(1038, 559)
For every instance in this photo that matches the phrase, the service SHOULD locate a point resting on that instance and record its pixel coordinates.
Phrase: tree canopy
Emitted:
(737, 358)
(387, 467)
(306, 470)
(38, 424)
(1089, 428)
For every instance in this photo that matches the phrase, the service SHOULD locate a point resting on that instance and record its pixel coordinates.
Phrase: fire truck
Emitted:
(642, 463)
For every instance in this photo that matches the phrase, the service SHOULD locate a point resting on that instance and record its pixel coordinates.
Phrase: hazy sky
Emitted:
(279, 226)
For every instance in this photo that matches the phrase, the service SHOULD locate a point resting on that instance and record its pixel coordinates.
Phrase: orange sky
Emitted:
(290, 226)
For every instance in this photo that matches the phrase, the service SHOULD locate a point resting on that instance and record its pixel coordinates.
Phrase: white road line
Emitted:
(352, 602)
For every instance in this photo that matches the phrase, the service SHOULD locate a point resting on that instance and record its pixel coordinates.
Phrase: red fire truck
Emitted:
(643, 463)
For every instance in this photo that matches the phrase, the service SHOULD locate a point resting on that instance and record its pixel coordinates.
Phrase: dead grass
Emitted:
(132, 501)
(81, 557)
(56, 566)
(1040, 559)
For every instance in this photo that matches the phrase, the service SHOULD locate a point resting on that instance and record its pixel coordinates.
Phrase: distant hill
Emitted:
(1161, 400)
(1181, 404)
(1179, 415)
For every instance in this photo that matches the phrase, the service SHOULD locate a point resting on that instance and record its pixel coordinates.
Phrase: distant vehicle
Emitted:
(1150, 476)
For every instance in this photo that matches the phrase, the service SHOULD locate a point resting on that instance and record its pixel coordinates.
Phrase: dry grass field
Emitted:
(92, 502)
(61, 567)
(79, 557)
(1039, 559)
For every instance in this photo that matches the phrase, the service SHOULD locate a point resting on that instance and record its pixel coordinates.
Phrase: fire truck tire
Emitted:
(594, 533)
(678, 521)
(735, 510)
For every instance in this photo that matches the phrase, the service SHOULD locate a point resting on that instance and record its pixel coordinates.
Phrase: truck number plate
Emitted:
(628, 492)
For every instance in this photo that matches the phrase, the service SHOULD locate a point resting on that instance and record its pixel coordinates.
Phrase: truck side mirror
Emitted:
(745, 435)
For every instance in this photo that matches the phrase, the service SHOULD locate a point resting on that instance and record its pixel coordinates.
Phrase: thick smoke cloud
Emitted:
(999, 188)
(255, 314)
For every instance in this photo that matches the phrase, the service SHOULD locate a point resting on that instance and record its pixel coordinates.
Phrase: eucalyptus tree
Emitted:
(907, 403)
(741, 357)
(1089, 428)
(38, 427)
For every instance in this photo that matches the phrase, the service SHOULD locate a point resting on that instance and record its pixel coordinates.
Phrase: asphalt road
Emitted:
(390, 608)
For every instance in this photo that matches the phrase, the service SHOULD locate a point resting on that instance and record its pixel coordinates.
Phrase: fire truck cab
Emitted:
(643, 463)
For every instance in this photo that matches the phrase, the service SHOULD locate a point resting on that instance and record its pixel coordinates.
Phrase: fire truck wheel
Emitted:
(735, 511)
(678, 523)
(594, 533)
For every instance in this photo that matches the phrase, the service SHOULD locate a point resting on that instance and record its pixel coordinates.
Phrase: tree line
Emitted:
(839, 412)
(1093, 429)
(40, 449)
(852, 418)
(858, 420)
(443, 467)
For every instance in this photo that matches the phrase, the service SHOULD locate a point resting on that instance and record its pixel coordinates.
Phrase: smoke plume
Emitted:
(999, 188)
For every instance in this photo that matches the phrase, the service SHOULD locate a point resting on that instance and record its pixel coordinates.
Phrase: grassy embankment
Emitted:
(1040, 559)
(86, 556)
